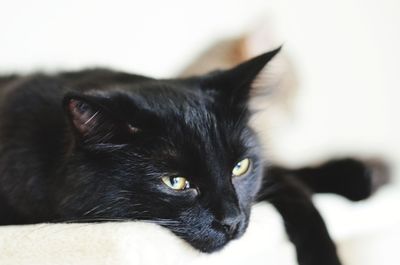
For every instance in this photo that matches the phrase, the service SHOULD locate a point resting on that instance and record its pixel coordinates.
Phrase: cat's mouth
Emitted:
(231, 231)
(217, 237)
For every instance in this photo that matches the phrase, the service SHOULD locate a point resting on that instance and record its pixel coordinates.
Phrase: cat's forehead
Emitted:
(183, 101)
(194, 111)
(174, 93)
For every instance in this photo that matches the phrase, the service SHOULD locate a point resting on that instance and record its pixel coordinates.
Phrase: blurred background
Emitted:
(345, 55)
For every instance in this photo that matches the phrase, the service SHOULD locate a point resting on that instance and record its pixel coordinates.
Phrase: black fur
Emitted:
(93, 145)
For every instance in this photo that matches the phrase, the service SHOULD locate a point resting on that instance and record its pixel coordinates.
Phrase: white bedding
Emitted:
(362, 239)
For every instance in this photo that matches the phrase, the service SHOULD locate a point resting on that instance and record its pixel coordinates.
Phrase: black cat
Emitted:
(99, 145)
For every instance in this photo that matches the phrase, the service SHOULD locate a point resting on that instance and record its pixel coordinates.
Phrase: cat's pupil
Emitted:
(174, 181)
(177, 182)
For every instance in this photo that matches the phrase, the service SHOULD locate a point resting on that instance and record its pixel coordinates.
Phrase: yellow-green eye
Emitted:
(176, 183)
(241, 168)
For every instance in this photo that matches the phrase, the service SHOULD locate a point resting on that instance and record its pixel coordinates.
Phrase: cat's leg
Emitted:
(303, 223)
(351, 178)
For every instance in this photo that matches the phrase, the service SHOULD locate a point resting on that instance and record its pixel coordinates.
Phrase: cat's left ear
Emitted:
(93, 120)
(235, 85)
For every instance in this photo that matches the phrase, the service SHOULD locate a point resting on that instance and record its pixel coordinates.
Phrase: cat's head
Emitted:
(175, 152)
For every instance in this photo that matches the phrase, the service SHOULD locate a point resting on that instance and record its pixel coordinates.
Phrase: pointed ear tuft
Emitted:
(235, 84)
(248, 71)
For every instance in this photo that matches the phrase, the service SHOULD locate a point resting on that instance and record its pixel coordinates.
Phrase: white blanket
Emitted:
(362, 240)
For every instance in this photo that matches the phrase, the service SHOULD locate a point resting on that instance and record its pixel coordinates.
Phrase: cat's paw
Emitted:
(358, 179)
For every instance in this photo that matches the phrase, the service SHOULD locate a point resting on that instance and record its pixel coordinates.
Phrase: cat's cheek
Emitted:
(246, 190)
(184, 197)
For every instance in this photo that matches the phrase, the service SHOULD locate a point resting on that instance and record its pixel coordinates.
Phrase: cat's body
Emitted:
(97, 145)
(35, 153)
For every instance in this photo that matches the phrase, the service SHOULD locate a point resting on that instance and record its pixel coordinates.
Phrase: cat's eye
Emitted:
(176, 183)
(241, 168)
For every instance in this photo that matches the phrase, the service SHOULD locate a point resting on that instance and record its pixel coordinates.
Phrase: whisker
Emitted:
(90, 220)
(92, 210)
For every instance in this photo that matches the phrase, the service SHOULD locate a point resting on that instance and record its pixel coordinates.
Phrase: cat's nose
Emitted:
(231, 225)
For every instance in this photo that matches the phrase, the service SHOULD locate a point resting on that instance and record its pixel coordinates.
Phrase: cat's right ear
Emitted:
(92, 120)
(237, 85)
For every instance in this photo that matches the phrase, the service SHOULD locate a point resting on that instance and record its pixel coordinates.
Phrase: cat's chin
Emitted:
(216, 243)
(210, 246)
